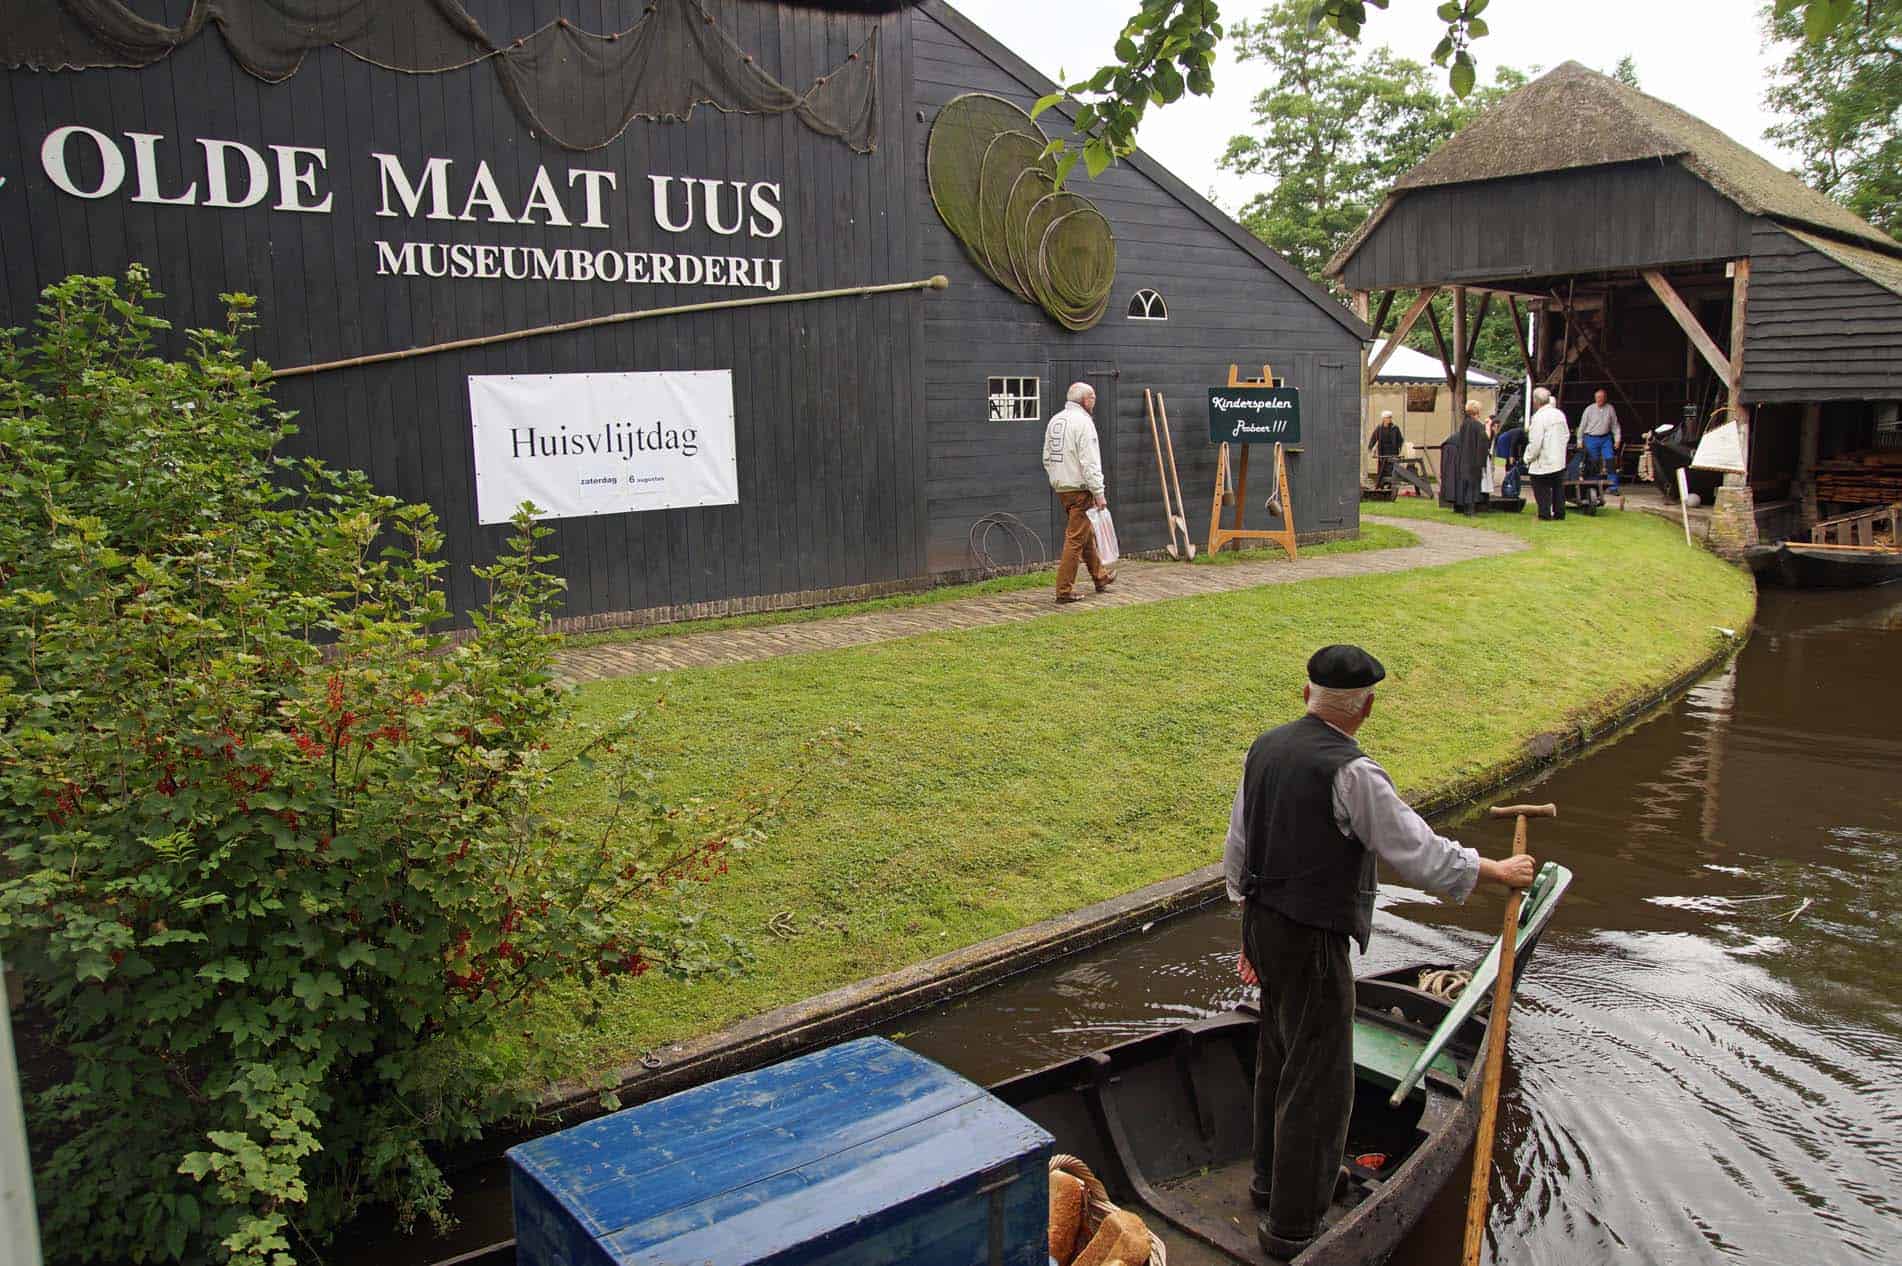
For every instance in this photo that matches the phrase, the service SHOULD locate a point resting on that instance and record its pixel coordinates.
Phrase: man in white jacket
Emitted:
(1074, 464)
(1546, 439)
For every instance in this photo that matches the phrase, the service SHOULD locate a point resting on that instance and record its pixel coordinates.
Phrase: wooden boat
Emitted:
(1846, 552)
(1805, 565)
(1165, 1120)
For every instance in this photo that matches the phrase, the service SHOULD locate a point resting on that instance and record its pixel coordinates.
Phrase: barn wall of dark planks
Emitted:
(864, 449)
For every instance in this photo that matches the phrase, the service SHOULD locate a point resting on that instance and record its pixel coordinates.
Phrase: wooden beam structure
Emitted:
(1739, 303)
(1439, 341)
(1386, 306)
(1479, 324)
(1519, 337)
(1400, 331)
(1688, 322)
(1460, 353)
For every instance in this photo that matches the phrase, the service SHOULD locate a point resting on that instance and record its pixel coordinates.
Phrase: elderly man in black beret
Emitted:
(1311, 815)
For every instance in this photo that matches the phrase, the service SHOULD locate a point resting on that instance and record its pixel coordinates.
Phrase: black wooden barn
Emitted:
(1671, 266)
(400, 176)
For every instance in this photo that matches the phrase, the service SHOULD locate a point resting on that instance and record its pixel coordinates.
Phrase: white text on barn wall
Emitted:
(145, 167)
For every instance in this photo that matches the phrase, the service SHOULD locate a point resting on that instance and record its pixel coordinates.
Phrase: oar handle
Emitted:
(1524, 811)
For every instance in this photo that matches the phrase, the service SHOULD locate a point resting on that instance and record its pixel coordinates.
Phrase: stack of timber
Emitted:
(1870, 477)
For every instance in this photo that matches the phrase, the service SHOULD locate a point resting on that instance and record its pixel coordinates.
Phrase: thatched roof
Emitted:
(1884, 270)
(1573, 117)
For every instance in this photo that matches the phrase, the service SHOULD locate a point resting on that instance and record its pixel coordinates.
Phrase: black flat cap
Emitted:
(1342, 667)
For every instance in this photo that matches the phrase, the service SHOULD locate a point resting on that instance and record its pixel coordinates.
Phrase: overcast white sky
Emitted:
(1705, 56)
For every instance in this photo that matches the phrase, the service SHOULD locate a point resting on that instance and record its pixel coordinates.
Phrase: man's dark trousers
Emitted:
(1304, 1067)
(1549, 491)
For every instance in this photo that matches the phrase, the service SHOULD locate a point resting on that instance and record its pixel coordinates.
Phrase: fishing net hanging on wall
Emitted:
(998, 195)
(579, 89)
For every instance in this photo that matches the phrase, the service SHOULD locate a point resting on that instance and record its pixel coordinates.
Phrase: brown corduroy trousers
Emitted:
(1079, 542)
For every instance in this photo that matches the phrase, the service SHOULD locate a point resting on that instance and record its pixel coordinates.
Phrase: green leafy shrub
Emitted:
(274, 871)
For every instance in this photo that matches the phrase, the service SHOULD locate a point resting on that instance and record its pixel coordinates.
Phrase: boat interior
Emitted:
(1166, 1120)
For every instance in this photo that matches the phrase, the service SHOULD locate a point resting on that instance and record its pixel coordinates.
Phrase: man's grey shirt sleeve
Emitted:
(1235, 847)
(1366, 803)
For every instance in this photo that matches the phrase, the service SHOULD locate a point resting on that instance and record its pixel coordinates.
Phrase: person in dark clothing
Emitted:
(1385, 444)
(1309, 818)
(1463, 462)
(1509, 446)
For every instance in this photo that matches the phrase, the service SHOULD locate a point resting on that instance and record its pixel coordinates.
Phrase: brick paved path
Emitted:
(1136, 581)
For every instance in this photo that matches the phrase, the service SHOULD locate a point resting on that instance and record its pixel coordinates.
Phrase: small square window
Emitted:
(1015, 400)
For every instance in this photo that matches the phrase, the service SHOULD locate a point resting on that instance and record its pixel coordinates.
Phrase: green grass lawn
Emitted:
(1373, 536)
(1009, 774)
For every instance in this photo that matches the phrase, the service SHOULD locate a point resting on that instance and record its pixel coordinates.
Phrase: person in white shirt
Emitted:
(1074, 464)
(1546, 439)
(1600, 435)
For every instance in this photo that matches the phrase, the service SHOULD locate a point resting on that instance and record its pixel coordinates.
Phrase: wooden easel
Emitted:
(1219, 535)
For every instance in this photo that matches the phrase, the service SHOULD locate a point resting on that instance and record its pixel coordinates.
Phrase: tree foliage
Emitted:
(274, 870)
(1839, 95)
(1339, 125)
(1168, 47)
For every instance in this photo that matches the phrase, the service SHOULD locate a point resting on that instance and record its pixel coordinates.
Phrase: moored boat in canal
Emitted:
(1849, 551)
(1164, 1120)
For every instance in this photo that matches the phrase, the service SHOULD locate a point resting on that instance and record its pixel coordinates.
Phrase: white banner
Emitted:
(579, 444)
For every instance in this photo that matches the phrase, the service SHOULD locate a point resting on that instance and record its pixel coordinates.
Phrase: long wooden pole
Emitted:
(1175, 480)
(938, 282)
(1496, 1041)
(1162, 476)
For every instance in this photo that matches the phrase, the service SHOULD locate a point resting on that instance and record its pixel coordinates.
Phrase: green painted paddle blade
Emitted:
(1542, 899)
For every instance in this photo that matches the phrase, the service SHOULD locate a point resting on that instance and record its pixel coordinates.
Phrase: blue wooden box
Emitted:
(859, 1154)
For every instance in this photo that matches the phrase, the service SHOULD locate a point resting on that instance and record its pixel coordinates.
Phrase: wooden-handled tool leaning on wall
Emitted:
(1496, 1039)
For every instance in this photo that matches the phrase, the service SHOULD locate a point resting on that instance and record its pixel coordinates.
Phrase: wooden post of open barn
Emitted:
(1734, 518)
(1808, 445)
(1459, 357)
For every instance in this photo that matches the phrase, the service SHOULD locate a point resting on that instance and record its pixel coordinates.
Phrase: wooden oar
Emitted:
(1162, 476)
(1496, 1039)
(1181, 511)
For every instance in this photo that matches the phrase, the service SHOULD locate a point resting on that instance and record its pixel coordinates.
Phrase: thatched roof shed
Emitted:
(1671, 266)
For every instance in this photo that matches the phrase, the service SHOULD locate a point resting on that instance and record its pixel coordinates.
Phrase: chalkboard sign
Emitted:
(1254, 415)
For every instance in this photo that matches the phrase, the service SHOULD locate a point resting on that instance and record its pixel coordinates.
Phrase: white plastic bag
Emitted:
(1105, 536)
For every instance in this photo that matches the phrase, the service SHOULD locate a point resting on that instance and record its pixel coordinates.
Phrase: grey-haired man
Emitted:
(1310, 816)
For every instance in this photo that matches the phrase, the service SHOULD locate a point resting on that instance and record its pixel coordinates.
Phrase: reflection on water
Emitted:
(1707, 1058)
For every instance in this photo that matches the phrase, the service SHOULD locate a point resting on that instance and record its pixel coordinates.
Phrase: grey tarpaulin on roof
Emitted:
(578, 88)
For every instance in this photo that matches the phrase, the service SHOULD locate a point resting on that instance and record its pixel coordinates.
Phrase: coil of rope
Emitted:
(1446, 983)
(1016, 532)
(1077, 1219)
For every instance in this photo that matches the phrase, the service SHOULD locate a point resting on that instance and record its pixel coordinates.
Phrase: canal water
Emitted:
(1706, 1055)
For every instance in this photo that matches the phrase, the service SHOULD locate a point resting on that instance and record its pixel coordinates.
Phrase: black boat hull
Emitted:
(1798, 566)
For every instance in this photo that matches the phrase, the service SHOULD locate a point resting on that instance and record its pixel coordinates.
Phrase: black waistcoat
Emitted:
(1299, 862)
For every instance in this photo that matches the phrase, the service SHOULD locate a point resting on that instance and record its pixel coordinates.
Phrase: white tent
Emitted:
(1408, 365)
